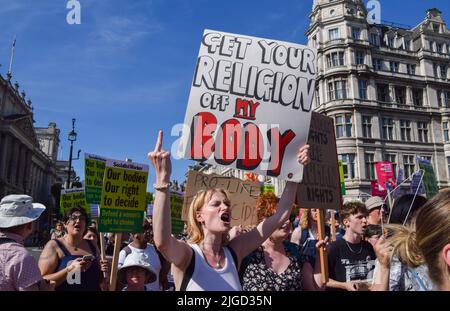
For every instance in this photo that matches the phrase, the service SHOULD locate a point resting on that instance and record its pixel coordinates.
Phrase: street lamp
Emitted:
(72, 137)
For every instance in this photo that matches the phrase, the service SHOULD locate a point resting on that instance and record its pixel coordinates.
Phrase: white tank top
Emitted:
(206, 278)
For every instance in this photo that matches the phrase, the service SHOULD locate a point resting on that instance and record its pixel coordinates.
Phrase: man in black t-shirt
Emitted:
(351, 260)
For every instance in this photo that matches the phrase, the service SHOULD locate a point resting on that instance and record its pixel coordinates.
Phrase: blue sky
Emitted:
(126, 71)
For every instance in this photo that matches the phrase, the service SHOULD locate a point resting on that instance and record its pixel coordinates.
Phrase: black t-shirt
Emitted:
(351, 262)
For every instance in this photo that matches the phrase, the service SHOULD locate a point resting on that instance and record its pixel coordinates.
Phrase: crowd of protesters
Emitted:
(405, 249)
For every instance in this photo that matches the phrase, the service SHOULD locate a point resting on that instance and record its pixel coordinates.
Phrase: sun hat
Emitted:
(137, 259)
(18, 209)
(373, 203)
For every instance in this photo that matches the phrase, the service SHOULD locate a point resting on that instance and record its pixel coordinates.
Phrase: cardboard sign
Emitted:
(377, 191)
(123, 201)
(250, 104)
(243, 195)
(320, 185)
(341, 176)
(385, 175)
(429, 178)
(94, 167)
(73, 198)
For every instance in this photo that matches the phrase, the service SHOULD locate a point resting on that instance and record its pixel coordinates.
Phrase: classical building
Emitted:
(387, 89)
(27, 155)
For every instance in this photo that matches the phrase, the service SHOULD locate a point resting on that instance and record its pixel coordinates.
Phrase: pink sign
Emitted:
(377, 191)
(385, 175)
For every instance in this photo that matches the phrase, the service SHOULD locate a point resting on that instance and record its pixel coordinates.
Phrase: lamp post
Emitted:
(72, 137)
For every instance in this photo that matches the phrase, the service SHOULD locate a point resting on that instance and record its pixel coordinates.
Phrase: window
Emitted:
(314, 41)
(356, 33)
(367, 126)
(374, 39)
(432, 46)
(422, 131)
(377, 65)
(383, 92)
(400, 95)
(370, 165)
(443, 71)
(362, 84)
(446, 102)
(359, 57)
(439, 47)
(348, 161)
(337, 90)
(333, 34)
(343, 125)
(418, 97)
(411, 69)
(448, 166)
(393, 66)
(408, 165)
(405, 130)
(408, 45)
(317, 95)
(389, 157)
(445, 130)
(387, 128)
(335, 59)
(435, 70)
(436, 27)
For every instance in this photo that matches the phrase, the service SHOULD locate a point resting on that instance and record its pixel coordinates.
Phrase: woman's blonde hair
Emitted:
(422, 241)
(195, 231)
(304, 219)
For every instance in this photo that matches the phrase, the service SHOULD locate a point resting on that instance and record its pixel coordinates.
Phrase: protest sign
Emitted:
(73, 198)
(341, 176)
(429, 178)
(320, 185)
(250, 104)
(243, 195)
(123, 200)
(377, 191)
(268, 188)
(176, 207)
(94, 167)
(385, 175)
(417, 182)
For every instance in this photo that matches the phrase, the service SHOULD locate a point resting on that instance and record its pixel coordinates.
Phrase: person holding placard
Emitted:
(73, 255)
(278, 265)
(206, 262)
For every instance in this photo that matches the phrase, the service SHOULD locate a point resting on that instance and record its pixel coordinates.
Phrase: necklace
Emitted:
(358, 252)
(75, 248)
(218, 265)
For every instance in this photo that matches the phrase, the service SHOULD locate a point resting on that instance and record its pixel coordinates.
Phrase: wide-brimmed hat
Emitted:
(18, 209)
(374, 202)
(137, 259)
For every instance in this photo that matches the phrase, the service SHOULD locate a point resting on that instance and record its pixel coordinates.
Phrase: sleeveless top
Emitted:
(199, 276)
(90, 279)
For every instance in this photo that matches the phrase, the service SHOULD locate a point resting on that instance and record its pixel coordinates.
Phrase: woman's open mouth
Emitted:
(225, 217)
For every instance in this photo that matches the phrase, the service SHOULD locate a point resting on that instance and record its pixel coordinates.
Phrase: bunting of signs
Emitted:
(123, 202)
(320, 185)
(250, 104)
(94, 167)
(74, 197)
(385, 175)
(243, 195)
(429, 178)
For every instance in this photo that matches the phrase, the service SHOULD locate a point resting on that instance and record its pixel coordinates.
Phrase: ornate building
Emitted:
(27, 155)
(387, 89)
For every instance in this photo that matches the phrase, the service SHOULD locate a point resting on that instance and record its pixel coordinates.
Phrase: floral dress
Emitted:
(257, 276)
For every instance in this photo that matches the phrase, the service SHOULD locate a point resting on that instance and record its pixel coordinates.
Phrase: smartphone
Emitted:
(88, 257)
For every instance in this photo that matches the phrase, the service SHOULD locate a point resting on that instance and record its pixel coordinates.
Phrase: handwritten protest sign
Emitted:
(417, 185)
(243, 195)
(250, 104)
(73, 198)
(123, 200)
(400, 179)
(385, 175)
(94, 167)
(320, 185)
(429, 178)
